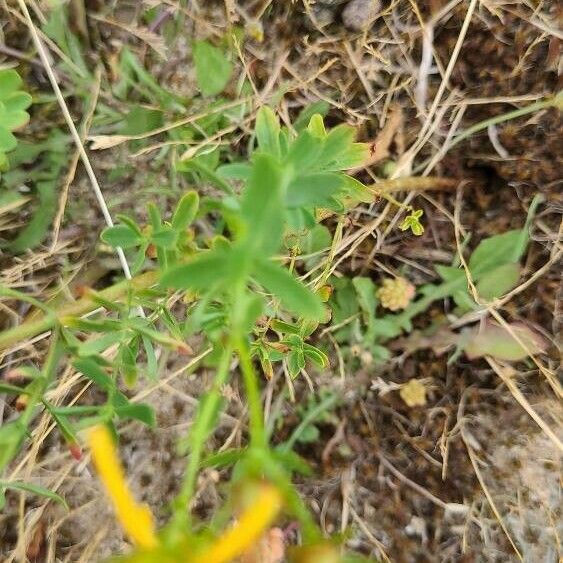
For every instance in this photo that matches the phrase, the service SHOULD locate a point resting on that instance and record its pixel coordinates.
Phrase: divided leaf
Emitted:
(262, 208)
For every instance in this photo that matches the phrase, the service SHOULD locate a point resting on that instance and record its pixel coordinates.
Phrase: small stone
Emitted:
(358, 15)
(323, 15)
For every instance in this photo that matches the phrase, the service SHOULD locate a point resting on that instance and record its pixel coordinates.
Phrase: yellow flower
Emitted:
(136, 519)
(248, 529)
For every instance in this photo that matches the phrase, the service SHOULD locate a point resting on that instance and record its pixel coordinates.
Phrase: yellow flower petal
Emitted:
(253, 522)
(136, 519)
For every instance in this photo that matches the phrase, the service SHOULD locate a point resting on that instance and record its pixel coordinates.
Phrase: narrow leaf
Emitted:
(186, 211)
(35, 489)
(268, 131)
(293, 294)
(204, 271)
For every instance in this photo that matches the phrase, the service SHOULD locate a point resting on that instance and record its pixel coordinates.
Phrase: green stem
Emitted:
(48, 374)
(554, 101)
(278, 476)
(258, 436)
(309, 418)
(36, 391)
(203, 426)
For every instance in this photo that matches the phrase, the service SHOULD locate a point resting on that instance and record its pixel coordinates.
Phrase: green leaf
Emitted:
(37, 228)
(206, 270)
(317, 127)
(365, 289)
(139, 120)
(64, 425)
(11, 389)
(12, 119)
(339, 150)
(7, 141)
(10, 81)
(412, 222)
(12, 435)
(224, 458)
(319, 108)
(268, 131)
(130, 222)
(200, 166)
(17, 101)
(121, 236)
(127, 361)
(165, 237)
(388, 327)
(185, 212)
(496, 251)
(496, 341)
(155, 217)
(93, 371)
(152, 362)
(317, 356)
(304, 152)
(213, 69)
(499, 281)
(92, 325)
(285, 328)
(295, 362)
(142, 412)
(292, 461)
(309, 434)
(31, 488)
(313, 190)
(292, 293)
(262, 208)
(235, 171)
(4, 162)
(253, 306)
(97, 345)
(450, 273)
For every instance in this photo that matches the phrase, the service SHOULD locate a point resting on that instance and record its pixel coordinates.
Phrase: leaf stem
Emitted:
(46, 322)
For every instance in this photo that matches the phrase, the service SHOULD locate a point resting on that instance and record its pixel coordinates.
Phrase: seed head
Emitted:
(395, 293)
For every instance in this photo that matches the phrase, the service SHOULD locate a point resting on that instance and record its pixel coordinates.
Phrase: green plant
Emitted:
(13, 103)
(238, 291)
(494, 269)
